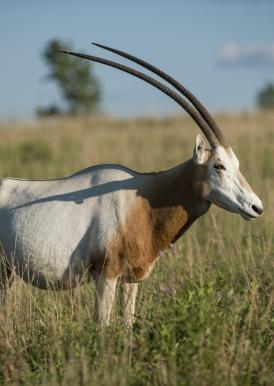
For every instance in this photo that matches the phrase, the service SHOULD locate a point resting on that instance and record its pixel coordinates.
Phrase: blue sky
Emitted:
(222, 50)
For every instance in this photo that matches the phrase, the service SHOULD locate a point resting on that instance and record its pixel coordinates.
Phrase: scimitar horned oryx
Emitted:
(108, 222)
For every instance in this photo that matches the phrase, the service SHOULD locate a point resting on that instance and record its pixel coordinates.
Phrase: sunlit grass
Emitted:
(204, 317)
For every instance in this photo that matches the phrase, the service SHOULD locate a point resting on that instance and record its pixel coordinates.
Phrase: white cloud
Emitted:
(233, 54)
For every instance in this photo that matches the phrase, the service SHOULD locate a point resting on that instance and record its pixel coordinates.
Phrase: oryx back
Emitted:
(52, 228)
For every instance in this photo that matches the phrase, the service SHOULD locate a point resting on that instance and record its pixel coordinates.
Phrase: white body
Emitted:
(55, 232)
(110, 222)
(51, 230)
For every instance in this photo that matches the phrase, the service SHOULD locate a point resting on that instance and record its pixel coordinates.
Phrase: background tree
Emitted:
(79, 87)
(265, 97)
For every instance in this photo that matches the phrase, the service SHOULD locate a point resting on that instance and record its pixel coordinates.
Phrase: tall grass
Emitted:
(205, 315)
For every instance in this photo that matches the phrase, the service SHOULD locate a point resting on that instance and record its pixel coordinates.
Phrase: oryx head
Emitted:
(225, 186)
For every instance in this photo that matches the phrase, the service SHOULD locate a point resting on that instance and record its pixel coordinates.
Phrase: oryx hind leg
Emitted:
(5, 279)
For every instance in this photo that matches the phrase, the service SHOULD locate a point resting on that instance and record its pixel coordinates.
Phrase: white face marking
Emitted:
(227, 186)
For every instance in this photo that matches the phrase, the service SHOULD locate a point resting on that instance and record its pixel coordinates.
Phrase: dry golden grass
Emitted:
(204, 317)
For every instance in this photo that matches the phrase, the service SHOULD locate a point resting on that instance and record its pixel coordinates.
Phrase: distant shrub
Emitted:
(50, 111)
(265, 97)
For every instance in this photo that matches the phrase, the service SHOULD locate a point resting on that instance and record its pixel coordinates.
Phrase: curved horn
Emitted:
(172, 94)
(195, 101)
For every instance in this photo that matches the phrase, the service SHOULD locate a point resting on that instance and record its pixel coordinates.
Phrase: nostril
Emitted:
(257, 209)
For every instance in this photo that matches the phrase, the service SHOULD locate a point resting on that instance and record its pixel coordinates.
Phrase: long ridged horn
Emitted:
(172, 94)
(195, 101)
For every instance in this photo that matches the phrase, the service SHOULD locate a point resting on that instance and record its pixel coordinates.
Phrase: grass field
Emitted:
(205, 315)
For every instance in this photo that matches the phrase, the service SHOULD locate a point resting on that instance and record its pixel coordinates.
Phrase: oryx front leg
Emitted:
(105, 292)
(128, 299)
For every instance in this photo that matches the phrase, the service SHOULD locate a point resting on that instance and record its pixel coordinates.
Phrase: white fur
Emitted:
(53, 228)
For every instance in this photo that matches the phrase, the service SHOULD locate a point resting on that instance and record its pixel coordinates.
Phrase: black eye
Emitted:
(219, 167)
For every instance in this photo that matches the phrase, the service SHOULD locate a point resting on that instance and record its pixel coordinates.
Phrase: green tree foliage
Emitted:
(79, 87)
(265, 97)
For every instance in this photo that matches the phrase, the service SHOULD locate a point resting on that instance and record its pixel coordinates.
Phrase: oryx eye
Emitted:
(219, 167)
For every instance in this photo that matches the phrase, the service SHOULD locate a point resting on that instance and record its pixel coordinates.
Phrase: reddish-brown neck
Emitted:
(175, 202)
(167, 203)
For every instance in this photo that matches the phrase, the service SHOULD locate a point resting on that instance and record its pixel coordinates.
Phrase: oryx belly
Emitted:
(52, 230)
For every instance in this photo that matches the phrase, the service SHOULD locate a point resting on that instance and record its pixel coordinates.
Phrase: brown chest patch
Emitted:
(147, 231)
(162, 210)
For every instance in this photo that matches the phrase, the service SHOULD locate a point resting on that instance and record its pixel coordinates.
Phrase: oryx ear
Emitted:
(199, 153)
